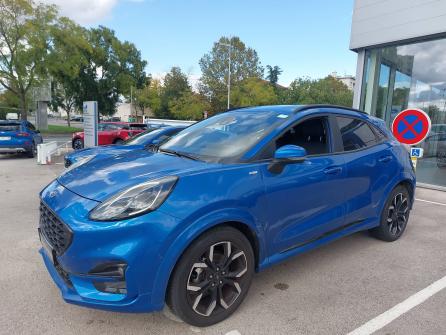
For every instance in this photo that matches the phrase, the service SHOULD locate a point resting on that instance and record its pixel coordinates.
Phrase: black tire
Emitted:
(226, 272)
(33, 152)
(78, 144)
(119, 142)
(394, 216)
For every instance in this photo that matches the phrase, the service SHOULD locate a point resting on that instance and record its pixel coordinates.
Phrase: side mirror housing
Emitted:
(288, 154)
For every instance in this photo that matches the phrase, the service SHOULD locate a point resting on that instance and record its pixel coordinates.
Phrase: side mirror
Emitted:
(288, 154)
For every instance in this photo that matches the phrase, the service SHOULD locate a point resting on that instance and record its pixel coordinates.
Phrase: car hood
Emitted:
(103, 150)
(98, 179)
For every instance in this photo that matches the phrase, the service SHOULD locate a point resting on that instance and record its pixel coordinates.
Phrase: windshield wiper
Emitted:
(179, 154)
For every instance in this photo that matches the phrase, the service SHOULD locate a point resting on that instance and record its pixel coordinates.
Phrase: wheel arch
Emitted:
(166, 269)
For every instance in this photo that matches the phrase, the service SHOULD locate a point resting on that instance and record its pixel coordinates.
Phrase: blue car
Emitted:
(147, 140)
(224, 198)
(19, 136)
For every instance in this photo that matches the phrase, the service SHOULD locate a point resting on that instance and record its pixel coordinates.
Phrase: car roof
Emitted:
(291, 109)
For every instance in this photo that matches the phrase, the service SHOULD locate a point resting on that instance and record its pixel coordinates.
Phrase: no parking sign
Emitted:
(411, 126)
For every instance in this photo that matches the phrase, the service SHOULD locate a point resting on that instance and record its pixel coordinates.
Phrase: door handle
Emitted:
(385, 159)
(333, 170)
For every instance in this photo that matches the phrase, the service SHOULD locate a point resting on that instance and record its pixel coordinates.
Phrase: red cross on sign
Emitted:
(411, 126)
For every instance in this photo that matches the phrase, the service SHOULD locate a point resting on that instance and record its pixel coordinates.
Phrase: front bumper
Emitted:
(136, 243)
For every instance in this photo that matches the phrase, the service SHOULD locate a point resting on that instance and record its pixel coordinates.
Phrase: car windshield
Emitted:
(224, 136)
(145, 138)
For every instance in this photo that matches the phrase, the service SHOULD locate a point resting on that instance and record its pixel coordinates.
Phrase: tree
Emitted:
(176, 84)
(328, 90)
(273, 73)
(112, 69)
(190, 106)
(245, 64)
(149, 97)
(24, 40)
(67, 56)
(254, 92)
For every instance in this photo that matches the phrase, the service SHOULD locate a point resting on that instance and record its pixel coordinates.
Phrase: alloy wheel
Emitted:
(78, 144)
(215, 280)
(397, 214)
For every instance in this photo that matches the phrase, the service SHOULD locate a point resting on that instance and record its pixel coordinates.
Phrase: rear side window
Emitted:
(9, 126)
(355, 134)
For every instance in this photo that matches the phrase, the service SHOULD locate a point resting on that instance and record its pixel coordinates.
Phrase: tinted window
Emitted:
(355, 134)
(30, 126)
(310, 134)
(9, 126)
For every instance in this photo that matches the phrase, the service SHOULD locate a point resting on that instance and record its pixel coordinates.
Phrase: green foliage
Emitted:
(149, 97)
(245, 64)
(25, 34)
(254, 92)
(328, 90)
(66, 57)
(57, 129)
(273, 73)
(176, 84)
(112, 68)
(190, 106)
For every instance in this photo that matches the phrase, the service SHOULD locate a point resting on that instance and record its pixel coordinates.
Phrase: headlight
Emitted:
(135, 201)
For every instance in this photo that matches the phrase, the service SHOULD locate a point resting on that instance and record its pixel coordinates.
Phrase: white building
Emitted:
(347, 80)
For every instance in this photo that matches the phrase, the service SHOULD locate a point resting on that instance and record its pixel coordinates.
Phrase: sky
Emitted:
(306, 38)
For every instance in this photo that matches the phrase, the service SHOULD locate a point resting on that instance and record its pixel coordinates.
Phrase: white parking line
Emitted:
(431, 202)
(388, 316)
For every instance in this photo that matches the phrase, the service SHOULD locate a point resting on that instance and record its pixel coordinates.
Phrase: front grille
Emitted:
(56, 232)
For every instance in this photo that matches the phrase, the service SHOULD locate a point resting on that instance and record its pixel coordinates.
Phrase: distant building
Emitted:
(128, 114)
(347, 80)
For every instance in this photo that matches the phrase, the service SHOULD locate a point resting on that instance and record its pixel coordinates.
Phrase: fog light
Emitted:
(117, 287)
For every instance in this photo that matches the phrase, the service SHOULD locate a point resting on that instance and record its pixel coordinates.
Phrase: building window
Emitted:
(405, 76)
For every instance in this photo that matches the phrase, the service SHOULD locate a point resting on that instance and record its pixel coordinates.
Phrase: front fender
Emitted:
(189, 232)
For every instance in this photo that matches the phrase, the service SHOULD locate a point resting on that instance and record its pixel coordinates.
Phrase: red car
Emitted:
(111, 133)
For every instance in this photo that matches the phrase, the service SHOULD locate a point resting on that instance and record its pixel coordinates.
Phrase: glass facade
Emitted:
(411, 76)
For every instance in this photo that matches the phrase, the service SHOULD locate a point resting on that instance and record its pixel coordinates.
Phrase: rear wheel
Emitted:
(394, 216)
(119, 141)
(212, 277)
(78, 144)
(32, 152)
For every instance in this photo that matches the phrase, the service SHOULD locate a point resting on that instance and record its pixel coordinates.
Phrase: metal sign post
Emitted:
(90, 124)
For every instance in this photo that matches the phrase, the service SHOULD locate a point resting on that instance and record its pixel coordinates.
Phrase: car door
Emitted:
(105, 134)
(370, 166)
(305, 201)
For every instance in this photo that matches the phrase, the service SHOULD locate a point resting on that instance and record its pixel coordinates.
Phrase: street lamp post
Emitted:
(229, 71)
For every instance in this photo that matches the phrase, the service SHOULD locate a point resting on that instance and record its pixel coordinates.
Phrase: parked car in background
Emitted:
(12, 116)
(148, 140)
(19, 136)
(77, 118)
(233, 194)
(111, 133)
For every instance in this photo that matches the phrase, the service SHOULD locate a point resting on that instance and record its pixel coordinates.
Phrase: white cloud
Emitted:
(86, 11)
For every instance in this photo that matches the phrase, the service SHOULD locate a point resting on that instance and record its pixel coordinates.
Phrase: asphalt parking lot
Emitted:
(333, 290)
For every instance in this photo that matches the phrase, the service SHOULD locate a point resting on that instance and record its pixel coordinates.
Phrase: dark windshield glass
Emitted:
(145, 138)
(224, 136)
(9, 126)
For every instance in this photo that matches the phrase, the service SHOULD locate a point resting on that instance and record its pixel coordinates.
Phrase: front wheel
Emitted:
(394, 216)
(212, 277)
(119, 142)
